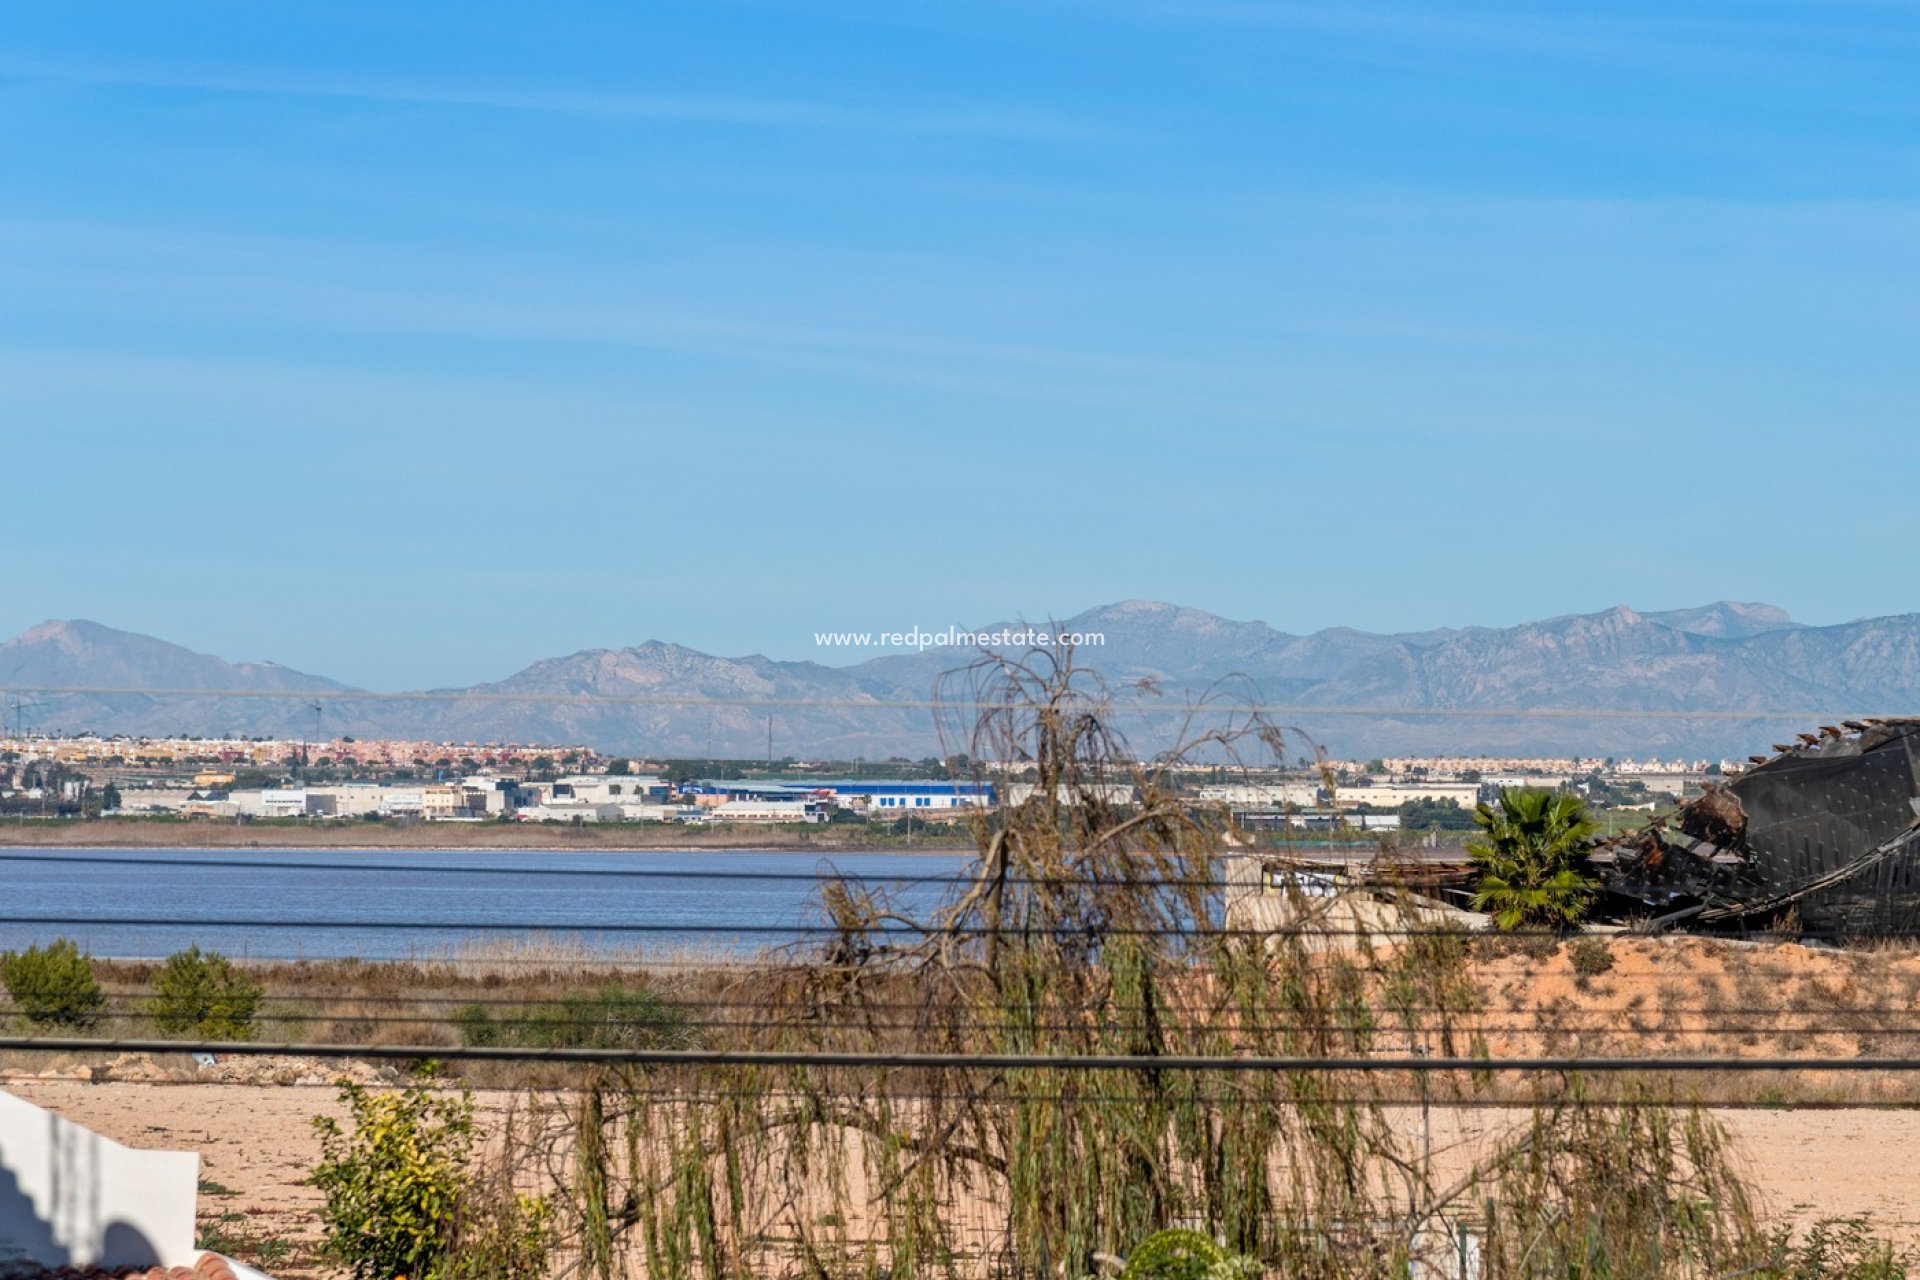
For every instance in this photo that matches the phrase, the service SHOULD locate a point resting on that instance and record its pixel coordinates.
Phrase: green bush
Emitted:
(1182, 1254)
(614, 1016)
(402, 1198)
(476, 1026)
(53, 986)
(201, 993)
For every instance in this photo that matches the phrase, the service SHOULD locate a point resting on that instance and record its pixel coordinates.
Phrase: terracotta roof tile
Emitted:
(210, 1266)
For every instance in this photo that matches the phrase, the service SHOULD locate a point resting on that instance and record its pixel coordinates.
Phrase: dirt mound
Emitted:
(146, 1068)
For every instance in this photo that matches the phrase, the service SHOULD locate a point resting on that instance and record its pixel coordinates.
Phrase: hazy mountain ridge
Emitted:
(1723, 657)
(657, 669)
(81, 654)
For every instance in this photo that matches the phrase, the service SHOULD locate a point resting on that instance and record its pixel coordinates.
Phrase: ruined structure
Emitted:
(1822, 833)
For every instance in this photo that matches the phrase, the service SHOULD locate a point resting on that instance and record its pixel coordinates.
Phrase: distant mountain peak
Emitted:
(1727, 619)
(60, 630)
(1140, 608)
(77, 652)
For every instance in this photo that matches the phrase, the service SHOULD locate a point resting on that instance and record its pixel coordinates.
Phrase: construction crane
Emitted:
(306, 749)
(19, 719)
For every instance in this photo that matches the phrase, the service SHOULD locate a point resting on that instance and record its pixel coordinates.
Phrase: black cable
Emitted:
(963, 1061)
(886, 932)
(935, 704)
(1385, 1031)
(880, 929)
(688, 1094)
(853, 1021)
(669, 1093)
(1385, 1011)
(829, 874)
(798, 877)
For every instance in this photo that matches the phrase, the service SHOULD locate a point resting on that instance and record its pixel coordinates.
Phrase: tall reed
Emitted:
(1092, 926)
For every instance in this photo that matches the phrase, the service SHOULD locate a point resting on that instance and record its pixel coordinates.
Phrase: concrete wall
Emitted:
(152, 800)
(1392, 795)
(1304, 795)
(71, 1197)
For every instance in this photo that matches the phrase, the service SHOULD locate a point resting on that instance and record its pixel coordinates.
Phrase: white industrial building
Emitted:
(610, 788)
(1391, 795)
(764, 811)
(1262, 795)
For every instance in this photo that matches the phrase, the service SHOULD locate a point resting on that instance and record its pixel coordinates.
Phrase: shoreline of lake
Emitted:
(500, 837)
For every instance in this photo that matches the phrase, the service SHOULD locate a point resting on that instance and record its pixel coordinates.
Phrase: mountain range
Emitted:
(1420, 692)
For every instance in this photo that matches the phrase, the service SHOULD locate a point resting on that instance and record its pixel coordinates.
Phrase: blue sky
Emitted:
(408, 343)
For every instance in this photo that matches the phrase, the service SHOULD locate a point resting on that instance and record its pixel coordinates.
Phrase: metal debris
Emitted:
(1823, 833)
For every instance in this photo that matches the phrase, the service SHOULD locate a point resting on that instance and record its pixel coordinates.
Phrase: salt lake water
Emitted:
(395, 904)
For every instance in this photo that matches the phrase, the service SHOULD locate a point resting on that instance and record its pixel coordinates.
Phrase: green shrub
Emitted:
(476, 1026)
(402, 1198)
(614, 1016)
(1181, 1254)
(202, 994)
(53, 986)
(1591, 957)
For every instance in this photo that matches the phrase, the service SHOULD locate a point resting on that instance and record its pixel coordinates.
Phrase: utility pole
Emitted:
(769, 742)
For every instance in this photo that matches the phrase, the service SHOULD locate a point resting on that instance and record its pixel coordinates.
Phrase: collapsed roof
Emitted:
(1823, 831)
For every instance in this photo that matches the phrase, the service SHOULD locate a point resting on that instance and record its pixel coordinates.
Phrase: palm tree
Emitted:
(1533, 858)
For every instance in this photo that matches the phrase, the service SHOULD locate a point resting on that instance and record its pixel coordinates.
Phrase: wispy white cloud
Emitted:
(996, 122)
(1782, 36)
(317, 287)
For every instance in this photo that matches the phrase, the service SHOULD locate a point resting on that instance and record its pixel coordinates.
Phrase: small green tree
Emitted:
(53, 986)
(402, 1198)
(1532, 858)
(391, 1184)
(203, 994)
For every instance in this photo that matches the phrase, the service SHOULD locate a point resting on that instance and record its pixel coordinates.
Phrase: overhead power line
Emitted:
(815, 877)
(684, 1094)
(881, 930)
(1216, 706)
(962, 1061)
(552, 1017)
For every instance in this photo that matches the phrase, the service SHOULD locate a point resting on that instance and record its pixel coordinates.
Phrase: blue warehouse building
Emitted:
(880, 797)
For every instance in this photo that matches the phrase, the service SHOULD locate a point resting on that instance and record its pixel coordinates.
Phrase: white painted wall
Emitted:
(71, 1197)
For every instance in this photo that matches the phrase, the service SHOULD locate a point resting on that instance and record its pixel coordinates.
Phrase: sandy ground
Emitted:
(1805, 1165)
(257, 1143)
